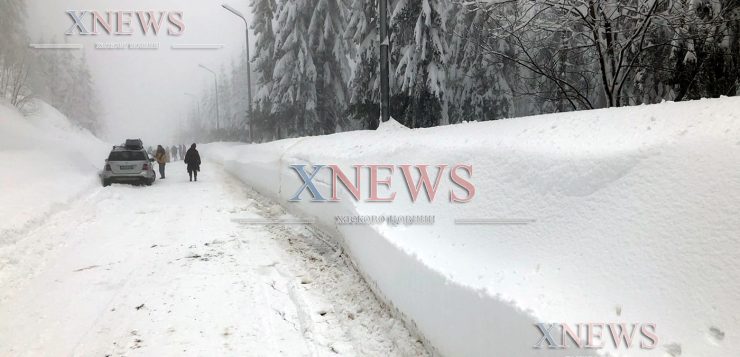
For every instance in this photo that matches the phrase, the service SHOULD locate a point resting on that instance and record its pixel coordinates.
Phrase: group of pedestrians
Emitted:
(164, 155)
(172, 153)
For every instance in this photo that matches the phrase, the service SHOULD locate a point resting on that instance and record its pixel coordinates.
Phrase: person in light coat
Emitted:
(162, 159)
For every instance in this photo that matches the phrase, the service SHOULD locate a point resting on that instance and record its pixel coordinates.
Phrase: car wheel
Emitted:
(149, 182)
(106, 183)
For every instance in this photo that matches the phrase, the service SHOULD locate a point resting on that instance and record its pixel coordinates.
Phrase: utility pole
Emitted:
(215, 84)
(384, 42)
(249, 70)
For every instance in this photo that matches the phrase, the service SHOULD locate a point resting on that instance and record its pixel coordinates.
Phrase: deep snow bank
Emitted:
(637, 220)
(47, 161)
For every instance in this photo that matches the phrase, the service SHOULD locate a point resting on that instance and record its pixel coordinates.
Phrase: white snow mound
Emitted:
(391, 125)
(635, 218)
(47, 163)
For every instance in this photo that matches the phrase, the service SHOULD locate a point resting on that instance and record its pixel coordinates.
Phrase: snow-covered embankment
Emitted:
(47, 162)
(635, 220)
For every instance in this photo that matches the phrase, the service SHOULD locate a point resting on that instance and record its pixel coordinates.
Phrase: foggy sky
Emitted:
(142, 91)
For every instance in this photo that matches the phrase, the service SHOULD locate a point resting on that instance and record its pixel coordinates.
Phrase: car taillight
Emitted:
(107, 167)
(145, 167)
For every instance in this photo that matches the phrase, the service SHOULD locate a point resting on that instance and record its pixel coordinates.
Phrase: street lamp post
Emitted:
(215, 83)
(384, 42)
(249, 70)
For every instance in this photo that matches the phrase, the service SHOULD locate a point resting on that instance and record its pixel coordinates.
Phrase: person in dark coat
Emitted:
(192, 159)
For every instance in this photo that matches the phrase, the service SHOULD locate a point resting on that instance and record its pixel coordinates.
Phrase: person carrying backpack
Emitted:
(192, 159)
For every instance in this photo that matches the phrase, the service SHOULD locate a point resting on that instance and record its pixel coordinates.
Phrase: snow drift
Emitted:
(635, 220)
(47, 163)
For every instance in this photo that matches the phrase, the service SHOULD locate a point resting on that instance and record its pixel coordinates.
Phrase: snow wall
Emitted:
(47, 163)
(636, 219)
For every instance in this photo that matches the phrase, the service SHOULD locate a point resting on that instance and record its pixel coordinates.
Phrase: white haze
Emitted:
(142, 91)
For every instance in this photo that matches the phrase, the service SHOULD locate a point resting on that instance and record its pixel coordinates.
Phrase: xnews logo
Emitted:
(596, 335)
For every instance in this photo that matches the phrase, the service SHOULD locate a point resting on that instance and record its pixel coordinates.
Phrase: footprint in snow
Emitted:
(673, 349)
(716, 335)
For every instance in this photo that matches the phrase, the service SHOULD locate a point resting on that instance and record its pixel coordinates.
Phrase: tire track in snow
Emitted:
(188, 280)
(338, 302)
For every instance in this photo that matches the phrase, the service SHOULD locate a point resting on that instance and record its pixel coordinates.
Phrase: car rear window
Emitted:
(127, 156)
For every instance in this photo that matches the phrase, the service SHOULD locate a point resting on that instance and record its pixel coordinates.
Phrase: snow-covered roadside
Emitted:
(166, 270)
(47, 163)
(636, 220)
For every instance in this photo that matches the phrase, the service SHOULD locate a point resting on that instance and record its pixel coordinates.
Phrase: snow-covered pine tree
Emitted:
(326, 41)
(14, 68)
(62, 78)
(12, 15)
(477, 88)
(294, 76)
(237, 103)
(228, 117)
(706, 49)
(209, 107)
(52, 77)
(418, 58)
(364, 86)
(263, 62)
(81, 104)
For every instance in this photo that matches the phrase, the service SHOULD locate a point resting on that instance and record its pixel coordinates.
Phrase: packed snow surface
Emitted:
(172, 269)
(632, 215)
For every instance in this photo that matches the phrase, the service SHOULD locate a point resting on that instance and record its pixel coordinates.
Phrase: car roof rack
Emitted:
(124, 147)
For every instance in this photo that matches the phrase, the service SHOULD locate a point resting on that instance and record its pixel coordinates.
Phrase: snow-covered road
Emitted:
(165, 270)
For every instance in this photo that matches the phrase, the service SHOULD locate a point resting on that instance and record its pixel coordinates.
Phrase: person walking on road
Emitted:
(192, 159)
(161, 157)
(174, 150)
